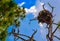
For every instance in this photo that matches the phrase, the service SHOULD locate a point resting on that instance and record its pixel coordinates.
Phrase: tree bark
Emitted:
(50, 31)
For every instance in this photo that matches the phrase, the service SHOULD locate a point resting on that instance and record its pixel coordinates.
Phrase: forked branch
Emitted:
(51, 7)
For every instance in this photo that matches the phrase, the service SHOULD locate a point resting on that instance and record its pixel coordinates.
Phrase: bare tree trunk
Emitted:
(50, 31)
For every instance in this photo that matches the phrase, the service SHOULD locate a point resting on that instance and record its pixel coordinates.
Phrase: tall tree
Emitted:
(45, 16)
(9, 14)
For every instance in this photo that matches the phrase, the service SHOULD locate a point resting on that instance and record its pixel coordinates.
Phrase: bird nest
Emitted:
(45, 16)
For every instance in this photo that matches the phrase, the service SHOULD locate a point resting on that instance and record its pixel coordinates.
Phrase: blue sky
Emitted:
(26, 28)
(30, 3)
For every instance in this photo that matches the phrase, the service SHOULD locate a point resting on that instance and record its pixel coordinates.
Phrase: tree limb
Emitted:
(55, 29)
(33, 34)
(57, 37)
(51, 7)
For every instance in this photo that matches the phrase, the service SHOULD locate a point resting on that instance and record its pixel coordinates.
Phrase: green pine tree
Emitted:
(9, 14)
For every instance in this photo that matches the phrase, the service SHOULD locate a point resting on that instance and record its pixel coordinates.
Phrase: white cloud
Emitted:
(21, 4)
(26, 10)
(41, 3)
(40, 24)
(35, 9)
(31, 10)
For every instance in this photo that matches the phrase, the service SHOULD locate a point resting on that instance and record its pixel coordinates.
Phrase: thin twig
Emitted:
(33, 19)
(51, 7)
(55, 29)
(17, 35)
(56, 24)
(43, 6)
(25, 35)
(33, 34)
(57, 37)
(21, 38)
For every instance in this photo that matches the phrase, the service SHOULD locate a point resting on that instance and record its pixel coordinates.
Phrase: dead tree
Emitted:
(17, 35)
(45, 16)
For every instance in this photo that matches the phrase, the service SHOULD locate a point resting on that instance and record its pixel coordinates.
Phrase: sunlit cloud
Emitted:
(31, 10)
(40, 24)
(21, 4)
(35, 9)
(41, 31)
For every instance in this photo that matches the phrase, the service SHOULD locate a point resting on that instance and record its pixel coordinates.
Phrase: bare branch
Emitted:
(33, 34)
(43, 6)
(57, 37)
(21, 38)
(51, 7)
(25, 35)
(18, 35)
(55, 23)
(55, 29)
(33, 19)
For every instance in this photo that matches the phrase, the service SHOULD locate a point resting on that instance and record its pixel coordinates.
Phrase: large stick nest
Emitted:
(44, 16)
